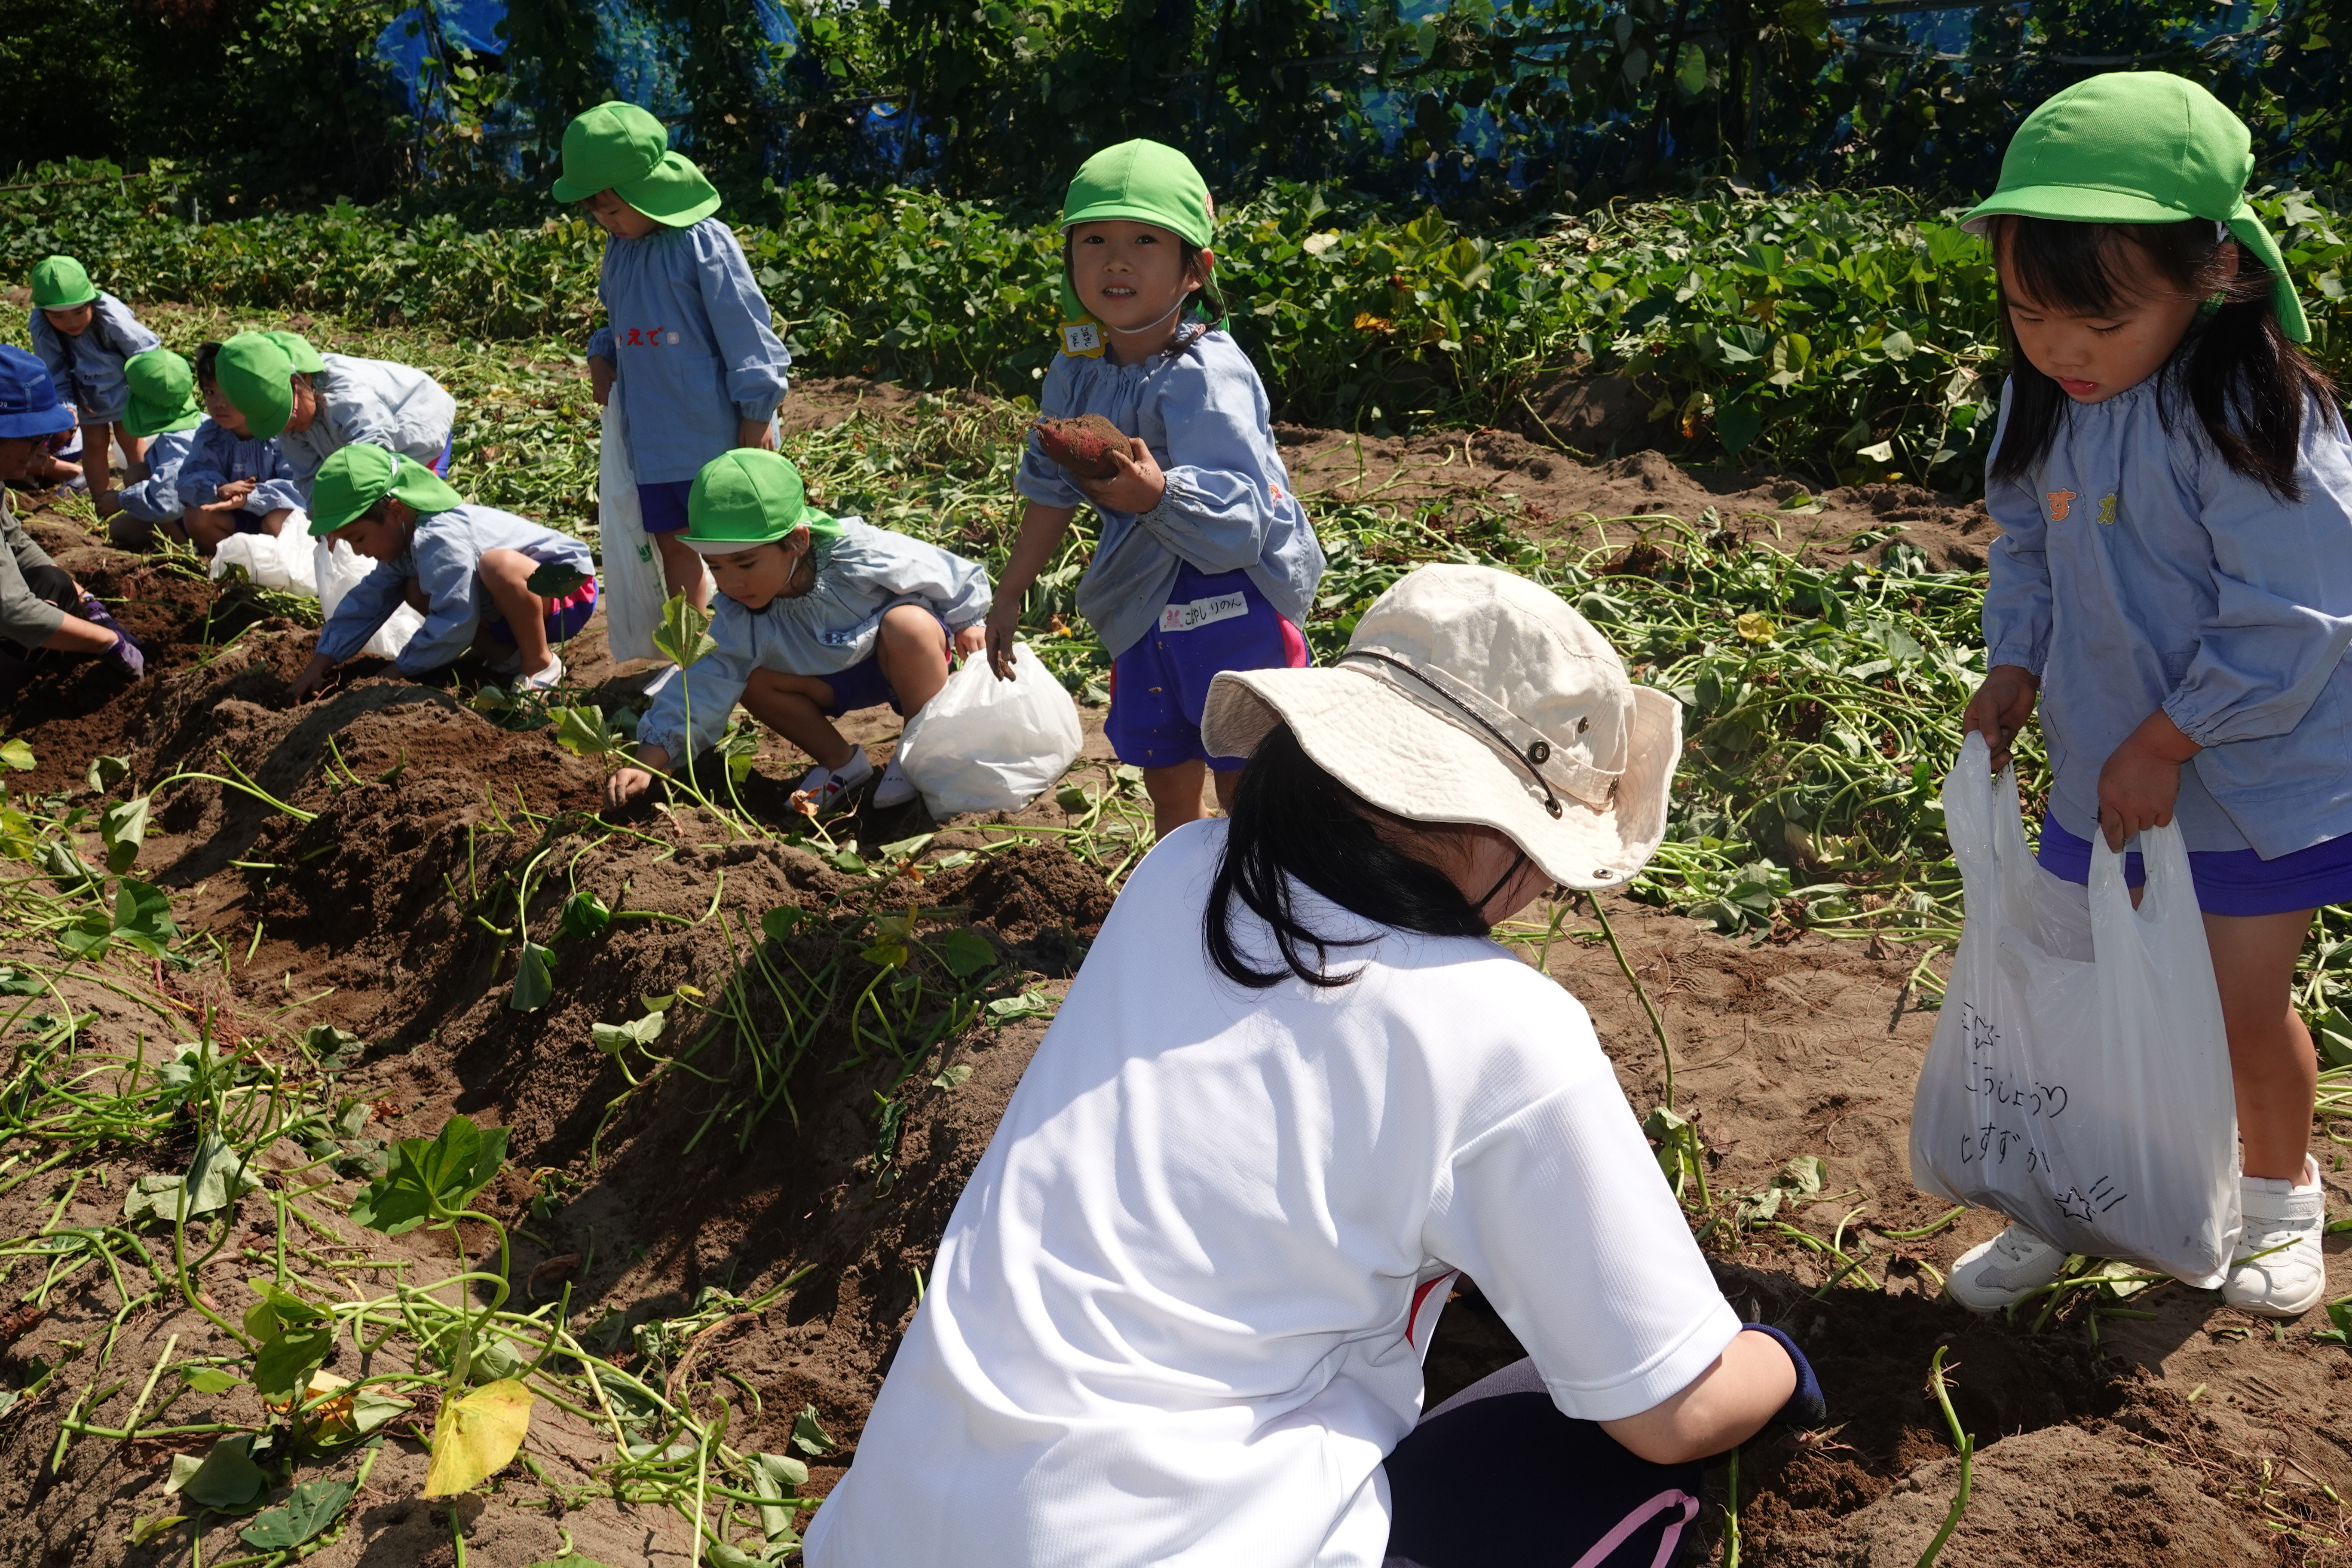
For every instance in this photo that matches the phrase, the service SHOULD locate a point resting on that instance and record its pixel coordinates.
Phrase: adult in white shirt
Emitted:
(1179, 1313)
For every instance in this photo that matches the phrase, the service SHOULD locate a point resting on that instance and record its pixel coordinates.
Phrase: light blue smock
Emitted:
(87, 371)
(689, 332)
(2138, 572)
(1228, 506)
(444, 558)
(221, 455)
(370, 401)
(861, 575)
(156, 498)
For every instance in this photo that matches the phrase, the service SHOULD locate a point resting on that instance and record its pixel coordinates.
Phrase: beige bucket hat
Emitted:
(1469, 695)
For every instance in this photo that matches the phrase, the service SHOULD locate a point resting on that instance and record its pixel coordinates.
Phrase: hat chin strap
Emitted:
(1546, 765)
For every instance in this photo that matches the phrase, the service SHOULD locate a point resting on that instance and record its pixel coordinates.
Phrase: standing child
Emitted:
(447, 557)
(233, 481)
(85, 338)
(162, 411)
(42, 609)
(314, 405)
(687, 338)
(1206, 561)
(816, 617)
(2174, 484)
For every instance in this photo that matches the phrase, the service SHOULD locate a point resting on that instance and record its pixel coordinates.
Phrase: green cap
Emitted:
(162, 394)
(299, 352)
(746, 497)
(60, 284)
(356, 477)
(257, 375)
(621, 148)
(1146, 181)
(2138, 147)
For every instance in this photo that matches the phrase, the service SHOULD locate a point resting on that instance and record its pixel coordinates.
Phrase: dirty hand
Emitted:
(2142, 778)
(1137, 487)
(2000, 708)
(1004, 630)
(600, 379)
(308, 681)
(972, 639)
(626, 785)
(757, 433)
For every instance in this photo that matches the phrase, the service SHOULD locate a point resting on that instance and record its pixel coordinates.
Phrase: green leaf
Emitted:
(1691, 77)
(209, 1379)
(780, 922)
(775, 1479)
(307, 1512)
(336, 1049)
(143, 917)
(1896, 346)
(1805, 1175)
(584, 733)
(1738, 425)
(684, 635)
(554, 579)
(534, 988)
(810, 1437)
(20, 982)
(952, 1076)
(216, 1177)
(149, 1530)
(226, 1479)
(584, 915)
(123, 827)
(431, 1178)
(614, 1038)
(1028, 1005)
(296, 1340)
(966, 953)
(17, 755)
(105, 773)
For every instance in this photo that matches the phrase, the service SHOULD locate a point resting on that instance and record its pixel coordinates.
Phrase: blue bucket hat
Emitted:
(28, 400)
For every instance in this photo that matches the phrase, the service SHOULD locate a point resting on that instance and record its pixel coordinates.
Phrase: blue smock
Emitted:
(2137, 571)
(373, 401)
(220, 454)
(444, 558)
(1228, 506)
(156, 498)
(689, 333)
(862, 574)
(87, 371)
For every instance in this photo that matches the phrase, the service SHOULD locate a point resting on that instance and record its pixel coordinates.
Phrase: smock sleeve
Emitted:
(908, 569)
(1042, 480)
(129, 336)
(2017, 602)
(740, 323)
(600, 343)
(370, 603)
(448, 572)
(206, 468)
(711, 688)
(2282, 582)
(1219, 508)
(156, 498)
(276, 487)
(51, 349)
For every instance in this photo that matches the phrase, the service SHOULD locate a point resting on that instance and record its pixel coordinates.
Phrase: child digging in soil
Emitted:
(1206, 561)
(85, 338)
(233, 481)
(43, 611)
(163, 412)
(447, 557)
(2174, 484)
(314, 405)
(688, 339)
(816, 617)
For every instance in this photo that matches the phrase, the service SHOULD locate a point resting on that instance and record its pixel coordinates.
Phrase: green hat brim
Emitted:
(338, 497)
(1136, 212)
(257, 378)
(78, 289)
(88, 298)
(143, 419)
(675, 193)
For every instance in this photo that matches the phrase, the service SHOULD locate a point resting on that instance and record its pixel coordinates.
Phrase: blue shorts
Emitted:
(863, 685)
(2228, 881)
(664, 505)
(1158, 686)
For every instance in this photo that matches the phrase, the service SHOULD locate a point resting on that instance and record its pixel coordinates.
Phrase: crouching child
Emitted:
(44, 612)
(816, 617)
(162, 411)
(465, 568)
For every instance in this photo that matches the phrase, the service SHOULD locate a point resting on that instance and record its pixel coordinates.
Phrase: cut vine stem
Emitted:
(1967, 1447)
(1657, 1024)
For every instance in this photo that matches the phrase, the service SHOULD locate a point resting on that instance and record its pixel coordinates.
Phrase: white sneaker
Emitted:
(896, 788)
(2004, 1270)
(2280, 1271)
(828, 790)
(546, 679)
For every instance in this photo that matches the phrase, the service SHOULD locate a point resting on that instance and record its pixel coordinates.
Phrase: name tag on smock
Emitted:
(1203, 612)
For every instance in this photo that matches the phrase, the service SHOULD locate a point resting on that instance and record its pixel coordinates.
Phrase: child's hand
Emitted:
(230, 494)
(1003, 629)
(1137, 487)
(2000, 708)
(626, 785)
(2142, 778)
(308, 681)
(600, 379)
(972, 639)
(757, 433)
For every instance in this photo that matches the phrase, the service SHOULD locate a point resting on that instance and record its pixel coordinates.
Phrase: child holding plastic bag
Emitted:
(2174, 483)
(687, 338)
(816, 617)
(1206, 561)
(445, 557)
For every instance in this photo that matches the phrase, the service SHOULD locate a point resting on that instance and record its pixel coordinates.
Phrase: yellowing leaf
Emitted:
(477, 1437)
(1756, 628)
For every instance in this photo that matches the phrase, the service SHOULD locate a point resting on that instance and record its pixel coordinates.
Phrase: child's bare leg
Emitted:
(913, 656)
(97, 457)
(793, 707)
(1175, 792)
(505, 575)
(207, 528)
(681, 569)
(2271, 1064)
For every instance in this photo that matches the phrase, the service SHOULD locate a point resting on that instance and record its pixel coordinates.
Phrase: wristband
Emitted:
(1806, 1407)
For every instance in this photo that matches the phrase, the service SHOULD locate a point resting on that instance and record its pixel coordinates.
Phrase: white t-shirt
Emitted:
(1179, 1313)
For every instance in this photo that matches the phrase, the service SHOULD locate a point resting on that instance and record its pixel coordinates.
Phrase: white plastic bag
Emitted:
(985, 744)
(633, 585)
(339, 569)
(283, 562)
(2079, 1079)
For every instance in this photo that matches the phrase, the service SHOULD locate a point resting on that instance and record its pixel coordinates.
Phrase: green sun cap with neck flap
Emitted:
(256, 373)
(1146, 181)
(162, 394)
(2138, 147)
(748, 497)
(621, 148)
(299, 352)
(356, 477)
(60, 284)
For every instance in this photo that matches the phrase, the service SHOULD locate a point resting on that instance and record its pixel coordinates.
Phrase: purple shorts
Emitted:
(440, 465)
(1158, 686)
(664, 505)
(565, 616)
(2228, 881)
(862, 684)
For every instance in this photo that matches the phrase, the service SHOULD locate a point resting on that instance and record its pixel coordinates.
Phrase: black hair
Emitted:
(207, 371)
(1205, 309)
(1291, 819)
(2247, 381)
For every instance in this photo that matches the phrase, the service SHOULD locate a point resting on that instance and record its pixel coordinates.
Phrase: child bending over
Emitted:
(466, 569)
(85, 338)
(314, 405)
(233, 481)
(816, 617)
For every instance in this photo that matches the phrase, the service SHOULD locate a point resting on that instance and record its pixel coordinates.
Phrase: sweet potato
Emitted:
(1084, 446)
